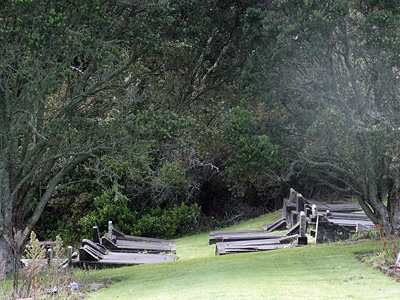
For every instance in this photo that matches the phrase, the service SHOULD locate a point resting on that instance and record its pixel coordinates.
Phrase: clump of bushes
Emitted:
(168, 222)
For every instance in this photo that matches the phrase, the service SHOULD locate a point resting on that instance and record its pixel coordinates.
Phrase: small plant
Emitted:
(59, 249)
(33, 249)
(387, 251)
(38, 280)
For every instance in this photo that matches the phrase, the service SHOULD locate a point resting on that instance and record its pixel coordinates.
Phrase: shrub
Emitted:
(109, 206)
(169, 222)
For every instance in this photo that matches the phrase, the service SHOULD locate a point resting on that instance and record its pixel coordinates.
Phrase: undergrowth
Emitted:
(388, 250)
(40, 280)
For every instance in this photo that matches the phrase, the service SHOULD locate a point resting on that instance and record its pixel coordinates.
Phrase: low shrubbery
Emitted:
(39, 280)
(171, 221)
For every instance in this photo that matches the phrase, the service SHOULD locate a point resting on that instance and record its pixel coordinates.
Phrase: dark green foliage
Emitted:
(251, 153)
(163, 122)
(109, 206)
(169, 222)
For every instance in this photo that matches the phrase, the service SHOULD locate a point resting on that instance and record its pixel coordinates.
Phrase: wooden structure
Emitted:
(247, 235)
(121, 242)
(249, 246)
(137, 247)
(123, 250)
(333, 221)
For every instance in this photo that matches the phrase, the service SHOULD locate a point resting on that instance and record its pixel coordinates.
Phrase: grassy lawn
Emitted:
(309, 272)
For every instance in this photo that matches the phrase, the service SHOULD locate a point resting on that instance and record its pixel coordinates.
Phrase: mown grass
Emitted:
(310, 272)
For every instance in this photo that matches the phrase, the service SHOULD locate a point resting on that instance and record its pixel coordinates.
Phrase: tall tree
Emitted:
(63, 65)
(338, 64)
(66, 66)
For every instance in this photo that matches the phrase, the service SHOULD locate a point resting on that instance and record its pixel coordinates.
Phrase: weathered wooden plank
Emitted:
(338, 207)
(278, 225)
(120, 259)
(96, 235)
(88, 253)
(295, 229)
(241, 237)
(223, 248)
(122, 236)
(253, 242)
(350, 223)
(327, 231)
(362, 227)
(349, 216)
(99, 248)
(135, 246)
(237, 232)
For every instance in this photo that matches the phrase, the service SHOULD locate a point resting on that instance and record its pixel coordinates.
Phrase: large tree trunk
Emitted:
(6, 253)
(6, 258)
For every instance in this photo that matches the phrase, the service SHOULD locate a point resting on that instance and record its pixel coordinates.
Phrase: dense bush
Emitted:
(109, 206)
(169, 222)
(159, 222)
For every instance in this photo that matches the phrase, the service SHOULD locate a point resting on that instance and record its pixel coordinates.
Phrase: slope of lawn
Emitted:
(310, 272)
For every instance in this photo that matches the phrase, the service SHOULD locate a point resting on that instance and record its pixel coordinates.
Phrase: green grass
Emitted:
(196, 246)
(310, 272)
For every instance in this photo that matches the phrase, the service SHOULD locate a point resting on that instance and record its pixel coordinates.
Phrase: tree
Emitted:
(338, 64)
(75, 72)
(64, 65)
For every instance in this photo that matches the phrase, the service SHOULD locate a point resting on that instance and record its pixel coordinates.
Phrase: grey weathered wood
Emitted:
(292, 196)
(110, 227)
(287, 208)
(288, 239)
(302, 238)
(50, 257)
(314, 212)
(293, 218)
(86, 253)
(126, 259)
(299, 203)
(295, 229)
(69, 256)
(121, 236)
(106, 242)
(303, 224)
(98, 247)
(351, 224)
(221, 236)
(96, 235)
(336, 207)
(361, 228)
(349, 216)
(327, 231)
(216, 233)
(223, 248)
(280, 224)
(137, 246)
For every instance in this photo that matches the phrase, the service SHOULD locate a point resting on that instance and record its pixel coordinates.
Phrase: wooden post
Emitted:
(299, 203)
(69, 256)
(50, 257)
(110, 226)
(292, 196)
(303, 224)
(314, 212)
(302, 239)
(96, 235)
